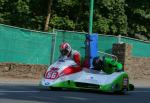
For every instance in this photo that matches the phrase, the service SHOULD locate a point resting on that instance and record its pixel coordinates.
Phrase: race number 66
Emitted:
(52, 73)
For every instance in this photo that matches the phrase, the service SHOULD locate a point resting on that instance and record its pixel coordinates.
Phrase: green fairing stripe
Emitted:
(65, 84)
(70, 84)
(118, 80)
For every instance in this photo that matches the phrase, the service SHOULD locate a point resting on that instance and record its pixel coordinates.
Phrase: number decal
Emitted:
(52, 73)
(48, 75)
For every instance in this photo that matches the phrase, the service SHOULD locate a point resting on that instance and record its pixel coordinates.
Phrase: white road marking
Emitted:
(144, 91)
(77, 98)
(19, 91)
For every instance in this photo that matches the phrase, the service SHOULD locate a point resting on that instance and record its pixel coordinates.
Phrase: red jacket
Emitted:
(75, 55)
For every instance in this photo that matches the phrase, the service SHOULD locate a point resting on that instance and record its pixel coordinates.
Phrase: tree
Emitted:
(110, 17)
(48, 15)
(138, 13)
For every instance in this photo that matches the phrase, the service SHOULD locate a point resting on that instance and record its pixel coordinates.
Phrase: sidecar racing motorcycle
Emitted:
(62, 74)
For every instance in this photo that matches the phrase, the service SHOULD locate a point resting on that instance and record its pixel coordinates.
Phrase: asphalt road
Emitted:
(23, 93)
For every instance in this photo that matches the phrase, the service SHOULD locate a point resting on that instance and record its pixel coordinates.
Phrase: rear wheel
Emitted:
(122, 92)
(131, 87)
(118, 89)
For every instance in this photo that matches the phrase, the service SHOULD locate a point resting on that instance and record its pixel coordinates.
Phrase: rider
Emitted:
(66, 50)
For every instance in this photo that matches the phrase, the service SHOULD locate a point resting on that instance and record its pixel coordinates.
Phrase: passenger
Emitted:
(107, 65)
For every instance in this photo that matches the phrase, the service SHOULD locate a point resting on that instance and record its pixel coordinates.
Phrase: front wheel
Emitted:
(124, 91)
(55, 88)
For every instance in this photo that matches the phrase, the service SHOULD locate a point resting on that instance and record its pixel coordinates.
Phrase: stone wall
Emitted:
(136, 67)
(123, 52)
(14, 70)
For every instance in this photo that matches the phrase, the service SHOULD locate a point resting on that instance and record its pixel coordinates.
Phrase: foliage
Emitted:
(23, 13)
(138, 12)
(125, 17)
(113, 18)
(62, 22)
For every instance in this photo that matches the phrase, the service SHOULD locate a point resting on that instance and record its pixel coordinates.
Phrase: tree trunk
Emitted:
(48, 15)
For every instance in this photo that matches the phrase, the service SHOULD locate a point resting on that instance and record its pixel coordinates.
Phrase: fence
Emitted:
(139, 48)
(32, 47)
(75, 39)
(24, 46)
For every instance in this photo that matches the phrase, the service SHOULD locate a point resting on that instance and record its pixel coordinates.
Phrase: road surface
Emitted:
(22, 92)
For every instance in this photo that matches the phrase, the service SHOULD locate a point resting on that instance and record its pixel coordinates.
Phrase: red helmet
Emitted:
(65, 49)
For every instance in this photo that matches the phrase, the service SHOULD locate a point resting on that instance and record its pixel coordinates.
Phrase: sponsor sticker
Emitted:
(47, 83)
(89, 77)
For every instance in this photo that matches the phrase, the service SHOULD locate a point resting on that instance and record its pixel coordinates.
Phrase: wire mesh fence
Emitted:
(33, 47)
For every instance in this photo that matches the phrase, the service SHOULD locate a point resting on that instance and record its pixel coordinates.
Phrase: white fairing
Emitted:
(62, 64)
(94, 77)
(85, 76)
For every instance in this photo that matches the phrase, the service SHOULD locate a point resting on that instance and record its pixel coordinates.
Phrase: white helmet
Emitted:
(65, 49)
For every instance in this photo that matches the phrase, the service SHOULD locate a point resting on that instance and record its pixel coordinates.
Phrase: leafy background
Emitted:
(126, 17)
